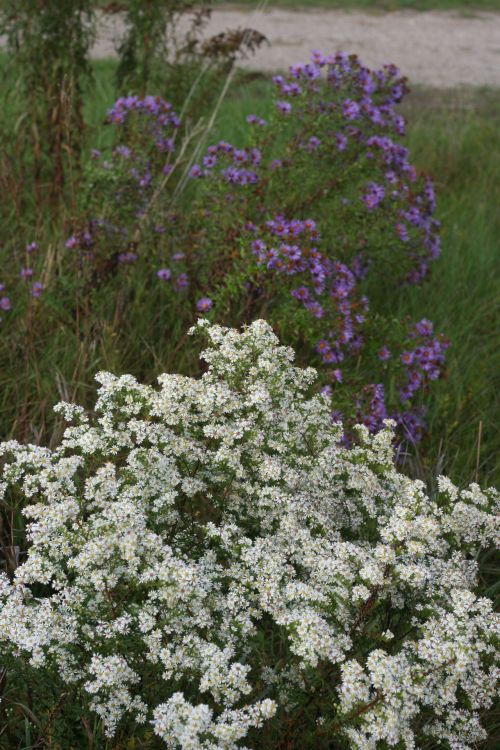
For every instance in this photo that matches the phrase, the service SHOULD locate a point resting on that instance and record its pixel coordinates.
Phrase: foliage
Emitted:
(48, 43)
(164, 49)
(207, 559)
(147, 39)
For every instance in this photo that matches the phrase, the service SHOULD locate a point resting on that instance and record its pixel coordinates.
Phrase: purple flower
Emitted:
(164, 274)
(310, 226)
(254, 120)
(384, 354)
(225, 147)
(26, 273)
(165, 144)
(158, 112)
(311, 71)
(414, 380)
(195, 171)
(209, 162)
(182, 281)
(123, 151)
(407, 358)
(145, 180)
(329, 357)
(302, 294)
(322, 346)
(5, 303)
(350, 109)
(255, 156)
(418, 274)
(424, 327)
(412, 424)
(315, 309)
(341, 141)
(338, 416)
(240, 156)
(371, 408)
(296, 70)
(32, 247)
(259, 249)
(318, 58)
(399, 125)
(128, 257)
(375, 195)
(292, 251)
(204, 304)
(314, 143)
(367, 82)
(178, 256)
(284, 107)
(36, 289)
(405, 394)
(430, 194)
(337, 375)
(72, 242)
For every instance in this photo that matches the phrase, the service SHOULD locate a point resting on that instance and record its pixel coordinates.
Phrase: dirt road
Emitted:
(441, 49)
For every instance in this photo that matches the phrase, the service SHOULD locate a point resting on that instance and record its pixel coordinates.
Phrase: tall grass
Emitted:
(456, 137)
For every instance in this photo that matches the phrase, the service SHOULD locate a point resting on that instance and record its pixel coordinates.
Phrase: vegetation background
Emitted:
(454, 135)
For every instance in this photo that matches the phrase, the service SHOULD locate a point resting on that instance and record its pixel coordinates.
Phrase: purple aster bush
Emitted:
(341, 156)
(330, 219)
(119, 189)
(328, 307)
(315, 223)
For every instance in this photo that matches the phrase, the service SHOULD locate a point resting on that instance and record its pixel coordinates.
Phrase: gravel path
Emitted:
(441, 49)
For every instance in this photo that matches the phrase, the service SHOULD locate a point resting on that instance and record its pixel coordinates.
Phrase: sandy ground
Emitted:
(441, 49)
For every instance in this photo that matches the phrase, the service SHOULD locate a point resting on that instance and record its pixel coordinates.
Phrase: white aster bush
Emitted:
(209, 566)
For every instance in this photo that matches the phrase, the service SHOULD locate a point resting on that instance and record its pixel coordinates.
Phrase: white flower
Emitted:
(214, 534)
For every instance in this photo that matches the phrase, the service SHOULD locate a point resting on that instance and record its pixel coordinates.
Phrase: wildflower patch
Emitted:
(209, 562)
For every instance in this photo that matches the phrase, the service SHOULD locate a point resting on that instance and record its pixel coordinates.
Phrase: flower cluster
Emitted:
(342, 114)
(331, 293)
(207, 559)
(26, 273)
(425, 361)
(236, 166)
(122, 184)
(156, 115)
(291, 248)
